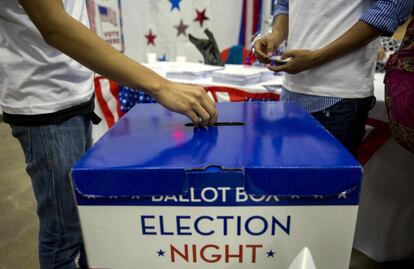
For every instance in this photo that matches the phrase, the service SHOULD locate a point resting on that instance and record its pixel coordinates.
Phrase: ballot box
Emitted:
(262, 186)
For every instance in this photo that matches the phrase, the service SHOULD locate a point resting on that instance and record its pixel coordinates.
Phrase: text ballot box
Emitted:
(252, 192)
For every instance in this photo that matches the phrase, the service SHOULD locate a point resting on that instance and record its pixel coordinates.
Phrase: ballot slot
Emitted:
(220, 124)
(212, 168)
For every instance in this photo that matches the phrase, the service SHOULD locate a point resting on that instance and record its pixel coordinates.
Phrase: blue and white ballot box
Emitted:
(253, 191)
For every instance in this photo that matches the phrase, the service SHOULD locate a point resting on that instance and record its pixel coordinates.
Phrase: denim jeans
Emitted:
(50, 152)
(346, 121)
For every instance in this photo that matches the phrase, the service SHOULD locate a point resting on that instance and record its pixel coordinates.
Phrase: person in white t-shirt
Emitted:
(332, 46)
(46, 94)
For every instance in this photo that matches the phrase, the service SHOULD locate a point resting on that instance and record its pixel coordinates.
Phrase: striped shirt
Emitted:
(385, 15)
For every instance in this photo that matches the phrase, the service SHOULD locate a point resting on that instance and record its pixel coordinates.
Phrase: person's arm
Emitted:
(383, 17)
(72, 38)
(265, 46)
(400, 33)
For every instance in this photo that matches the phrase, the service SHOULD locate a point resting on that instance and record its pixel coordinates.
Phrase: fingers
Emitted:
(203, 109)
(206, 105)
(210, 99)
(195, 104)
(287, 67)
(206, 114)
(270, 49)
(290, 54)
(200, 117)
(261, 50)
(290, 68)
(202, 114)
(212, 113)
(278, 68)
(210, 106)
(193, 117)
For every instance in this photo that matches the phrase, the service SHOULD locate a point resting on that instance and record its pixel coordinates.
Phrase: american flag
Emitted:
(107, 100)
(105, 19)
(108, 15)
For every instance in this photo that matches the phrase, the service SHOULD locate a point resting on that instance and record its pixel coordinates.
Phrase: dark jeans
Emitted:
(346, 121)
(50, 152)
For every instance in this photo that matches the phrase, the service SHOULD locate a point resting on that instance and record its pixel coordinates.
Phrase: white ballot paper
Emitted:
(242, 76)
(191, 71)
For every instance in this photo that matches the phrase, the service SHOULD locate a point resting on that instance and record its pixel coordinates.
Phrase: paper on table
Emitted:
(242, 76)
(191, 71)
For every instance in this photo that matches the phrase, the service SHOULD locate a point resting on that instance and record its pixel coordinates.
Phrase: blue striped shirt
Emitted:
(385, 15)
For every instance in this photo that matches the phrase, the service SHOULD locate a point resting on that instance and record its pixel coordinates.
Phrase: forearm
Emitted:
(280, 28)
(358, 36)
(383, 16)
(62, 31)
(94, 53)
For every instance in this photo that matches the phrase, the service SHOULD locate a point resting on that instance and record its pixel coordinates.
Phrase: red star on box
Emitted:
(150, 38)
(201, 17)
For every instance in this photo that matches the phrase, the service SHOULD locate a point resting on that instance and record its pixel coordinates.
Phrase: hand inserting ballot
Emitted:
(191, 101)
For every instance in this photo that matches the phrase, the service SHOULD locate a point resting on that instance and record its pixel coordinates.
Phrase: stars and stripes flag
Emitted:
(105, 19)
(107, 14)
(107, 105)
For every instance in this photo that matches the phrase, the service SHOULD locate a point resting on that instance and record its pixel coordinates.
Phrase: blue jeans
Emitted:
(50, 152)
(346, 121)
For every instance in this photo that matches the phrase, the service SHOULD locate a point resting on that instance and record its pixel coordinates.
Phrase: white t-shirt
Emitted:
(314, 24)
(34, 77)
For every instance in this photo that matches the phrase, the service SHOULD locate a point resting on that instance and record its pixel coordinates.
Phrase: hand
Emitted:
(188, 100)
(301, 60)
(264, 48)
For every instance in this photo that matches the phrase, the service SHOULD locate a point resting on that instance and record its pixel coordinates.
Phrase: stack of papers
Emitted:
(192, 71)
(243, 76)
(157, 68)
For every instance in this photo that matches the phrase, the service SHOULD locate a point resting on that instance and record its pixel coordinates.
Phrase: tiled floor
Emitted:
(18, 222)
